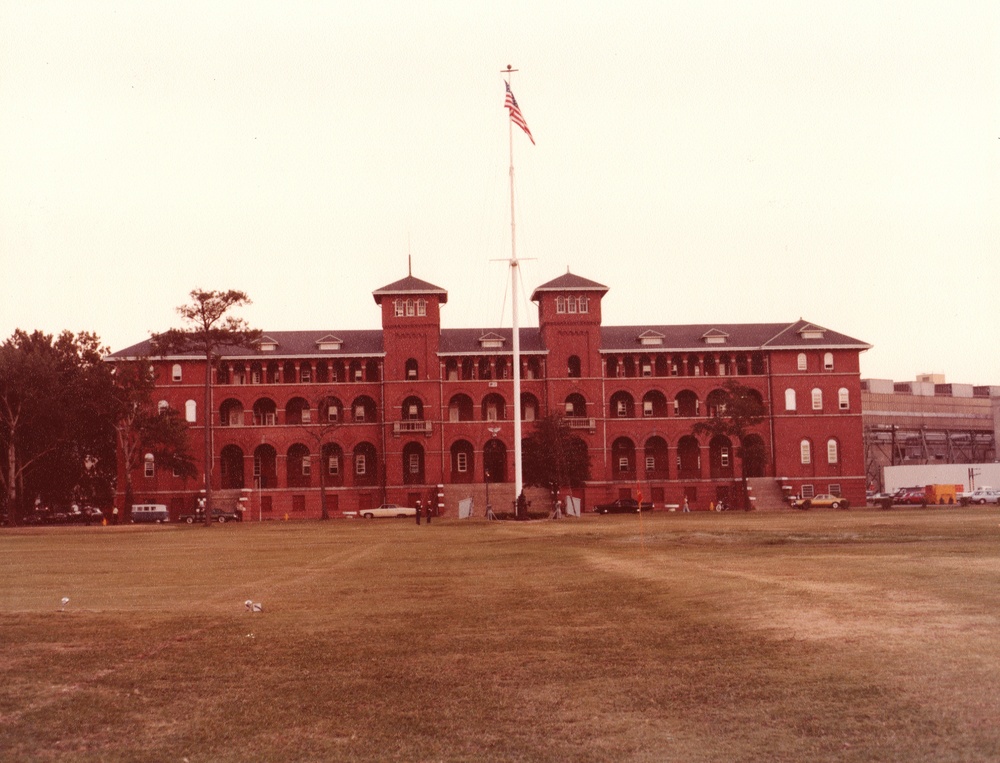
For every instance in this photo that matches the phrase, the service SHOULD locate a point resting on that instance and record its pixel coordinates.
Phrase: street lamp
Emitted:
(494, 431)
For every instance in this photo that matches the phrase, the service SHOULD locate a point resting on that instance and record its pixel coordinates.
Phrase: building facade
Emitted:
(414, 411)
(927, 422)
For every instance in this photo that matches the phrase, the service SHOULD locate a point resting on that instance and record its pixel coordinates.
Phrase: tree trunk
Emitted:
(209, 456)
(11, 482)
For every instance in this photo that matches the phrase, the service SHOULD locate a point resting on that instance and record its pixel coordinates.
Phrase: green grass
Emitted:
(847, 636)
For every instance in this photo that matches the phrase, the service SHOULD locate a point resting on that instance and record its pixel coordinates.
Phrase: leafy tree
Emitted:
(208, 329)
(552, 455)
(739, 411)
(141, 429)
(54, 398)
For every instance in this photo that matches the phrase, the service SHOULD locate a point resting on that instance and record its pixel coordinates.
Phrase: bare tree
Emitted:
(208, 329)
(318, 433)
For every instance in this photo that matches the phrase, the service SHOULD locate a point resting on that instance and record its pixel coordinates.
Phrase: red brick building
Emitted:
(414, 410)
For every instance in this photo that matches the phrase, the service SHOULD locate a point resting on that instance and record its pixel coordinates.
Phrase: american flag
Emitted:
(515, 113)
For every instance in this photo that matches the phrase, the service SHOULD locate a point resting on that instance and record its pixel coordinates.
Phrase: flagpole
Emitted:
(516, 343)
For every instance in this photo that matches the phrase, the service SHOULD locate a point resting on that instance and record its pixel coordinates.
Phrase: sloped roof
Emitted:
(739, 336)
(466, 341)
(409, 285)
(290, 344)
(569, 282)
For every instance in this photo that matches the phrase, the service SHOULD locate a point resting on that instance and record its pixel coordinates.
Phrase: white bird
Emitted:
(65, 601)
(253, 606)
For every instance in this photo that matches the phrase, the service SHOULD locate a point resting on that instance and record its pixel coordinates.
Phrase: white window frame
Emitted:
(584, 304)
(647, 408)
(360, 464)
(650, 463)
(414, 463)
(832, 451)
(828, 361)
(461, 462)
(306, 465)
(808, 491)
(724, 456)
(817, 399)
(399, 308)
(843, 399)
(623, 465)
(149, 466)
(191, 411)
(176, 373)
(359, 413)
(421, 308)
(333, 465)
(410, 308)
(790, 402)
(621, 409)
(560, 305)
(802, 362)
(805, 452)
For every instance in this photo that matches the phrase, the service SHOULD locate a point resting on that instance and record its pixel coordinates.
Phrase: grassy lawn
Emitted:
(861, 635)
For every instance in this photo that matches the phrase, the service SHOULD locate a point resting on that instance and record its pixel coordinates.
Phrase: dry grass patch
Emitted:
(823, 636)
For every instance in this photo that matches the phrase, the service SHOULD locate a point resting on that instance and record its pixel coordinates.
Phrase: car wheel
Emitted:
(367, 515)
(222, 520)
(835, 505)
(190, 520)
(982, 501)
(807, 505)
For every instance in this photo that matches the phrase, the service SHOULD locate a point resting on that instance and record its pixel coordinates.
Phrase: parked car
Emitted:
(822, 501)
(218, 515)
(85, 514)
(622, 506)
(910, 496)
(389, 510)
(981, 496)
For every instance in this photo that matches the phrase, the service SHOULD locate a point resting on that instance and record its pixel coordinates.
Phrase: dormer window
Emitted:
(714, 336)
(810, 331)
(329, 343)
(267, 344)
(651, 337)
(491, 341)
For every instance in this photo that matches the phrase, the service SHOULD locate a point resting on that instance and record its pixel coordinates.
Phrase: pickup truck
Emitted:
(980, 495)
(218, 515)
(622, 506)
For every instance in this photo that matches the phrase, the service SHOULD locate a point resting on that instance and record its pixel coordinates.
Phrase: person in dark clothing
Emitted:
(419, 509)
(430, 510)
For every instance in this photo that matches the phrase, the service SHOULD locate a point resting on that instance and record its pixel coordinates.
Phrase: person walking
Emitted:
(686, 509)
(419, 509)
(428, 508)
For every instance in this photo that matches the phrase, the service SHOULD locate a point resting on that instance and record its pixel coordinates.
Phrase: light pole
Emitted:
(494, 431)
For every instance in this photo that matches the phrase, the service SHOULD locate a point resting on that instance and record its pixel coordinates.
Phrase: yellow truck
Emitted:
(942, 494)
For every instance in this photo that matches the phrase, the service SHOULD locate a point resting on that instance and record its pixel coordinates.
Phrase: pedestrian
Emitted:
(114, 515)
(686, 509)
(419, 509)
(428, 508)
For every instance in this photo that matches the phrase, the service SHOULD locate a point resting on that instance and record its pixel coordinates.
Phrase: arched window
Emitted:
(231, 466)
(686, 403)
(803, 362)
(410, 308)
(162, 407)
(421, 307)
(191, 411)
(297, 411)
(623, 458)
(175, 373)
(411, 368)
(832, 452)
(494, 408)
(843, 399)
(622, 406)
(413, 463)
(654, 404)
(576, 405)
(460, 408)
(529, 407)
(265, 412)
(828, 361)
(715, 403)
(299, 466)
(149, 466)
(462, 461)
(560, 304)
(817, 399)
(805, 452)
(413, 409)
(789, 399)
(573, 367)
(231, 413)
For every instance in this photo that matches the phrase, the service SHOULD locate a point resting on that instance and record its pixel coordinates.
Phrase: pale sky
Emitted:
(709, 162)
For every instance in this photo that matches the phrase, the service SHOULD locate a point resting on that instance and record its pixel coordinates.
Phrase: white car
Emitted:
(389, 510)
(980, 495)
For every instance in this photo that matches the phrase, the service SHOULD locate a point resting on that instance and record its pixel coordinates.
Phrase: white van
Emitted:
(150, 513)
